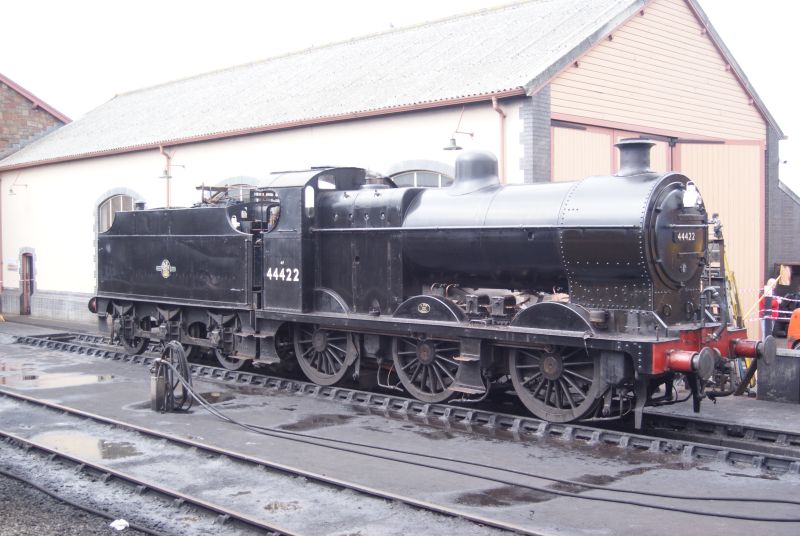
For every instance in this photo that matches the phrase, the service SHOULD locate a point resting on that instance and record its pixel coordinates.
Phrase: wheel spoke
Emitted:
(442, 360)
(572, 373)
(337, 348)
(575, 387)
(539, 387)
(529, 380)
(528, 366)
(416, 372)
(584, 363)
(548, 392)
(453, 378)
(415, 360)
(566, 392)
(438, 378)
(423, 379)
(335, 357)
(447, 360)
(559, 401)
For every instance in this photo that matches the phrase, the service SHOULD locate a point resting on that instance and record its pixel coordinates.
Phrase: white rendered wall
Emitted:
(54, 210)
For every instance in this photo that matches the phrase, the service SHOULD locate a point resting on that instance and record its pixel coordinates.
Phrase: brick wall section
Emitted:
(535, 137)
(783, 212)
(21, 122)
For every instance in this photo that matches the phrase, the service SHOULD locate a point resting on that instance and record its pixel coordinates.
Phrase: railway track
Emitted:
(234, 520)
(197, 450)
(724, 434)
(691, 438)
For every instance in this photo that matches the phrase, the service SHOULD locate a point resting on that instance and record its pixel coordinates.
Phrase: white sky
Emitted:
(78, 54)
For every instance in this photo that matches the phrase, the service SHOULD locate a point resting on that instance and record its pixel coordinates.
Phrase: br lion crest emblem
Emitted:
(166, 268)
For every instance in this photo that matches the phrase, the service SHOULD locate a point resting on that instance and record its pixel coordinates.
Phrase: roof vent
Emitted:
(634, 156)
(475, 170)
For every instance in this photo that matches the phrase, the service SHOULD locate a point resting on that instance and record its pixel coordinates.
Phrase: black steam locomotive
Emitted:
(586, 298)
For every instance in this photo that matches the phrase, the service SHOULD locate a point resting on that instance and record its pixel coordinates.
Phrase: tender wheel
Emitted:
(136, 345)
(321, 353)
(426, 368)
(198, 331)
(559, 384)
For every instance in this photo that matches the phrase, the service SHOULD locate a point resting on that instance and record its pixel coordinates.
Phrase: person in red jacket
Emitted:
(793, 333)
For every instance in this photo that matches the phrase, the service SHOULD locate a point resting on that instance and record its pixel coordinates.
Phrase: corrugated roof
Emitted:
(482, 53)
(504, 51)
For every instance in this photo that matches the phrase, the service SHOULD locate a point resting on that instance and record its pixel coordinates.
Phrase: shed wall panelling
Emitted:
(661, 72)
(585, 151)
(580, 153)
(730, 179)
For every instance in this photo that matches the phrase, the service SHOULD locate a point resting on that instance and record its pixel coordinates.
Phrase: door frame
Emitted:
(27, 279)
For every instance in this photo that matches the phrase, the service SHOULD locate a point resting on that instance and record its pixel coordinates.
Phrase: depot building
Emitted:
(549, 87)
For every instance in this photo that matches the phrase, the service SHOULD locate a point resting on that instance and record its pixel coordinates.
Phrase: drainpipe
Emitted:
(167, 176)
(502, 159)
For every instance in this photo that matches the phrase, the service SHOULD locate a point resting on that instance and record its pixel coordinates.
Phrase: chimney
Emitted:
(634, 156)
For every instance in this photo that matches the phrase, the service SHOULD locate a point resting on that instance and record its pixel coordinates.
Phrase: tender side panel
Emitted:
(178, 254)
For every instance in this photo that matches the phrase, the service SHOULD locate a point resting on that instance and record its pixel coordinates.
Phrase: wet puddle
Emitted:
(436, 435)
(28, 376)
(317, 421)
(216, 397)
(503, 496)
(85, 445)
(277, 506)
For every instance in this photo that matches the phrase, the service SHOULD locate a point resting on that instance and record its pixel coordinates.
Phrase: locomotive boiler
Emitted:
(586, 299)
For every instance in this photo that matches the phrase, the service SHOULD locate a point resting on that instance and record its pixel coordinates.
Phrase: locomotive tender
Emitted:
(447, 292)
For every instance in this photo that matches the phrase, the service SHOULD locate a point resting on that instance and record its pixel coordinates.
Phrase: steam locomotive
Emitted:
(587, 299)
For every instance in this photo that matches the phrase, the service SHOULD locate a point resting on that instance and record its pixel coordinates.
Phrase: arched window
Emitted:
(422, 178)
(109, 207)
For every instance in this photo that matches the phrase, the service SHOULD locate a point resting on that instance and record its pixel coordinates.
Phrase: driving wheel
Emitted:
(557, 384)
